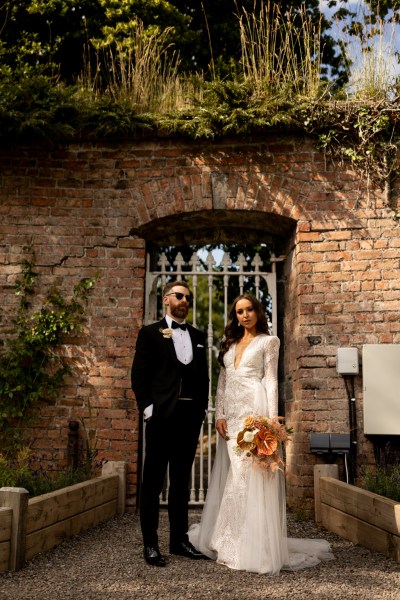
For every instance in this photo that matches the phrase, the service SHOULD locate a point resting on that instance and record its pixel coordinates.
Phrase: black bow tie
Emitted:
(176, 325)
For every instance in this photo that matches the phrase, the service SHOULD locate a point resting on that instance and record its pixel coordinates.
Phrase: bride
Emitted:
(243, 525)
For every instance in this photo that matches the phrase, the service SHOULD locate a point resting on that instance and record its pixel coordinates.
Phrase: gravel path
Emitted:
(105, 563)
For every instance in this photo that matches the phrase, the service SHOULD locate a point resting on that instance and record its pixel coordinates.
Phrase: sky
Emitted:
(385, 45)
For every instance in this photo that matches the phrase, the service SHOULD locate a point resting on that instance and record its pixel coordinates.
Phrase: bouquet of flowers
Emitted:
(262, 439)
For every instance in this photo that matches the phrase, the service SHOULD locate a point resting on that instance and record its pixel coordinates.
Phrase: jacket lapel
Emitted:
(168, 341)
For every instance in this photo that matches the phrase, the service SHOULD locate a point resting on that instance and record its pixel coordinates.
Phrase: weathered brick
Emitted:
(82, 203)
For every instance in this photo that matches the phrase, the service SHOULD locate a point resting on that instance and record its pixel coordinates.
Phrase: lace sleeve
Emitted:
(220, 396)
(271, 374)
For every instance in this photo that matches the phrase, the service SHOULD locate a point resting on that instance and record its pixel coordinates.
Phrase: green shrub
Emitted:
(26, 470)
(385, 481)
(12, 471)
(42, 482)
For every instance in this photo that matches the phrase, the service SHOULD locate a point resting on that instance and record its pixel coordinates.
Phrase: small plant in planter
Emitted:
(26, 470)
(384, 477)
(385, 481)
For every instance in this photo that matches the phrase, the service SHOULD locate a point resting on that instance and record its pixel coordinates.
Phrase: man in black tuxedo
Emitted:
(170, 381)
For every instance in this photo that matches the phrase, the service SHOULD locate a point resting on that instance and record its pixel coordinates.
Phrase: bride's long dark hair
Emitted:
(234, 332)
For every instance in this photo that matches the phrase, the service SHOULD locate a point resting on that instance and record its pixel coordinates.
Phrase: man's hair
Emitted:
(171, 284)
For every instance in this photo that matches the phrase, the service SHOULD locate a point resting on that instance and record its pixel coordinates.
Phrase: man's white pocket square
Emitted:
(200, 346)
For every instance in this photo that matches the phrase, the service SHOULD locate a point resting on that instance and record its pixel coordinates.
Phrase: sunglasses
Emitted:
(179, 296)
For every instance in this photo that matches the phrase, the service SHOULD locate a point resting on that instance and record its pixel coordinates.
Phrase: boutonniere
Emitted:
(167, 333)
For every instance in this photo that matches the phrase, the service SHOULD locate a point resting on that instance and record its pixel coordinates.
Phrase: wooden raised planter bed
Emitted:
(357, 515)
(28, 527)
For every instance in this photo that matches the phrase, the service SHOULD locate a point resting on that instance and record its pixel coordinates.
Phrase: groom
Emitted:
(170, 381)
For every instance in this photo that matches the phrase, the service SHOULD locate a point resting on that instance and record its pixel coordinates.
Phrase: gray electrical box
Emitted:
(381, 387)
(330, 443)
(347, 361)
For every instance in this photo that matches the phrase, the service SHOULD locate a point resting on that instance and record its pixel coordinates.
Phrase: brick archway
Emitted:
(218, 226)
(92, 208)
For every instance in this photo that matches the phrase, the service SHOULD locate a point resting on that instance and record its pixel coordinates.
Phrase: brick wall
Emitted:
(90, 208)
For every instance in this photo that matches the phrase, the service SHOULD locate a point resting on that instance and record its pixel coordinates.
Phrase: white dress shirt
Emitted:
(182, 343)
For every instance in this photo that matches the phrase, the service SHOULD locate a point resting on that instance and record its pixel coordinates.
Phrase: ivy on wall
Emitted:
(31, 369)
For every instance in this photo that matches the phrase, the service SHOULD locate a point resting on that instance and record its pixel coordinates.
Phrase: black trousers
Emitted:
(169, 441)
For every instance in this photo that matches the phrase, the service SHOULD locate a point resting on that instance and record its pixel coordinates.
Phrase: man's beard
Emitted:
(180, 312)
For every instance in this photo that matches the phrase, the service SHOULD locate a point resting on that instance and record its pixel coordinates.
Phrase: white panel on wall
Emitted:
(381, 384)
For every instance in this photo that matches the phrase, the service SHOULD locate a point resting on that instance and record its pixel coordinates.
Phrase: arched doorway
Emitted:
(219, 257)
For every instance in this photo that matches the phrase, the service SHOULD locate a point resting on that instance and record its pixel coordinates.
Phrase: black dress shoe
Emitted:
(153, 556)
(188, 550)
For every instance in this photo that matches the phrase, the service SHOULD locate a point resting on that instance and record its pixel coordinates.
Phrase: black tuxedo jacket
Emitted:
(155, 374)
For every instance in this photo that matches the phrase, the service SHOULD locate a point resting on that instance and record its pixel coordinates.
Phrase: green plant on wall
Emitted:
(31, 368)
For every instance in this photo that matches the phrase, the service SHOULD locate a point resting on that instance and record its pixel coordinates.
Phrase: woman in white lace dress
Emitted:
(243, 525)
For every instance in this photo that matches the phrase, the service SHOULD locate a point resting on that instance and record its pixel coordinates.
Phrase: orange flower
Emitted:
(266, 442)
(249, 421)
(262, 438)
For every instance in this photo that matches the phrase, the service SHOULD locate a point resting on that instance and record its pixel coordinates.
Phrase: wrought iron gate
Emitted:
(208, 278)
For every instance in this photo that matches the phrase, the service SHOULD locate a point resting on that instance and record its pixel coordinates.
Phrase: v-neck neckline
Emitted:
(243, 353)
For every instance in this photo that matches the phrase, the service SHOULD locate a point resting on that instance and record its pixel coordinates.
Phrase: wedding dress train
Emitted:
(243, 524)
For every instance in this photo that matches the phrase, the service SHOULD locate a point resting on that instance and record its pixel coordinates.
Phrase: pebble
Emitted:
(106, 563)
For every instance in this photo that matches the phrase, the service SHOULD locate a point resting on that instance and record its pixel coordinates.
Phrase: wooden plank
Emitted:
(60, 505)
(44, 539)
(117, 467)
(320, 471)
(360, 532)
(5, 524)
(359, 503)
(5, 548)
(16, 498)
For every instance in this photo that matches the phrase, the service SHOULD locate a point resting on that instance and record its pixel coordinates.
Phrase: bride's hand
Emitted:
(222, 427)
